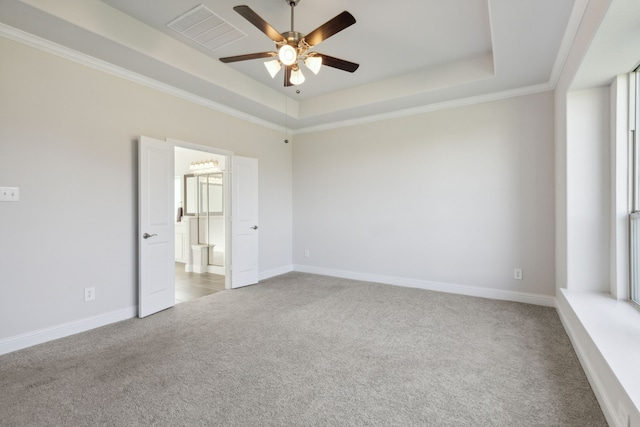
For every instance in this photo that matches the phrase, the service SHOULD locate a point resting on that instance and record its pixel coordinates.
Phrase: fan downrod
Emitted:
(293, 37)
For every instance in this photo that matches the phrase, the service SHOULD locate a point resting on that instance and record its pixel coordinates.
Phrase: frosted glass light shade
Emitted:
(313, 63)
(273, 67)
(297, 78)
(287, 55)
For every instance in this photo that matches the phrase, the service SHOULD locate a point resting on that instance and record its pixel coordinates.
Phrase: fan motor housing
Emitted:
(293, 37)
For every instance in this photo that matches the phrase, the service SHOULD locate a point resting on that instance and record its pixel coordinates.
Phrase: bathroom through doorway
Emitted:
(200, 189)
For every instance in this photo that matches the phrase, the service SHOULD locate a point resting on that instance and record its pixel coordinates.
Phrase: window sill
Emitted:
(614, 328)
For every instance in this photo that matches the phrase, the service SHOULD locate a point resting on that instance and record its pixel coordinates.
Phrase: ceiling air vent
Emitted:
(204, 27)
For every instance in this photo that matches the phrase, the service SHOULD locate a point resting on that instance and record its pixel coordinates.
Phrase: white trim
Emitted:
(28, 39)
(81, 58)
(569, 37)
(606, 345)
(216, 269)
(263, 275)
(198, 147)
(446, 105)
(571, 325)
(18, 342)
(492, 293)
(620, 188)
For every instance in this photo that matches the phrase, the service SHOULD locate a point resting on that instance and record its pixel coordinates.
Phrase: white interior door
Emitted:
(156, 263)
(244, 221)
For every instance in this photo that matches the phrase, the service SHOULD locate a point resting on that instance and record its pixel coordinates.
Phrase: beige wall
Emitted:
(68, 141)
(459, 197)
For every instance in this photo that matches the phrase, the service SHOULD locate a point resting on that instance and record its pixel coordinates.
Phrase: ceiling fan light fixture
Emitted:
(313, 63)
(297, 78)
(287, 55)
(293, 46)
(273, 67)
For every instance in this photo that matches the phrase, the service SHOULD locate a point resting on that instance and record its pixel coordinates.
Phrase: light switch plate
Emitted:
(9, 194)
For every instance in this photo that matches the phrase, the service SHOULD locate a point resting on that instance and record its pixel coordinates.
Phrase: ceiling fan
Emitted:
(293, 46)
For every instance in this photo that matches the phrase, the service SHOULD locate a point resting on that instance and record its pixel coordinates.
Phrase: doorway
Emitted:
(157, 219)
(200, 189)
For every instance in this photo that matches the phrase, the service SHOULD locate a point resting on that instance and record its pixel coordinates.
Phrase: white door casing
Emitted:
(156, 251)
(244, 221)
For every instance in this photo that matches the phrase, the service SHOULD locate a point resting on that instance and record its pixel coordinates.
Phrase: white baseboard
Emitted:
(216, 269)
(18, 342)
(498, 294)
(263, 275)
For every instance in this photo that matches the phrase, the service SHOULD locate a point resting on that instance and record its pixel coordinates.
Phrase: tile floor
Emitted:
(193, 285)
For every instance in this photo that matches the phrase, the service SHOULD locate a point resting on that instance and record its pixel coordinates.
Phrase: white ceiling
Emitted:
(415, 54)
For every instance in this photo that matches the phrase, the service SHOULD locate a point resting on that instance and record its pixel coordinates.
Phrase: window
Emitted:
(634, 217)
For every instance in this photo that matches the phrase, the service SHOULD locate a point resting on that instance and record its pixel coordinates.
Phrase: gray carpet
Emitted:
(302, 349)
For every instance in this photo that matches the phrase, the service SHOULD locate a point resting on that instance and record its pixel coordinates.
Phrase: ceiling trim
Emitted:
(446, 105)
(575, 19)
(48, 46)
(87, 60)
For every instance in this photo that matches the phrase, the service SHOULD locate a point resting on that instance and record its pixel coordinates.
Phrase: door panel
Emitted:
(244, 223)
(156, 287)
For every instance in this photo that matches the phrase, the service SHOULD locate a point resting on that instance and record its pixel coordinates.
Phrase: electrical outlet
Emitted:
(90, 293)
(517, 274)
(4, 194)
(307, 253)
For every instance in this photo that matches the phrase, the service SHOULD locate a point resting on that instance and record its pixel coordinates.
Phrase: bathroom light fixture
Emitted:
(203, 164)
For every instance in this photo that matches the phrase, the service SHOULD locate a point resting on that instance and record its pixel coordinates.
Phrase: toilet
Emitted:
(200, 258)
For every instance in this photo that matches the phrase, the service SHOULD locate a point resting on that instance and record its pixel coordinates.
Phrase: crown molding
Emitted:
(570, 33)
(87, 60)
(446, 105)
(48, 46)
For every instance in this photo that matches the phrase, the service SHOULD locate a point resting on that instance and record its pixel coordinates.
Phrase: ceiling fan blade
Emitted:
(287, 77)
(248, 14)
(329, 28)
(338, 63)
(248, 56)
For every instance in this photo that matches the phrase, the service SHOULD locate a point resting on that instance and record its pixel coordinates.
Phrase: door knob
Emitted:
(255, 227)
(147, 235)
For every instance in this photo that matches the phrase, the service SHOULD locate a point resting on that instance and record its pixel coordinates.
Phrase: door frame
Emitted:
(228, 155)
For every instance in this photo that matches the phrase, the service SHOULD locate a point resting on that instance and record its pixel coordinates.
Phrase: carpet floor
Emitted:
(302, 349)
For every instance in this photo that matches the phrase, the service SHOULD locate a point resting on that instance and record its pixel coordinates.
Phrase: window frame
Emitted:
(634, 186)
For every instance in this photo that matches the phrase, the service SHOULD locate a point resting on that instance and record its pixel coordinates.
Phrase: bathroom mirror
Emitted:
(203, 194)
(190, 195)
